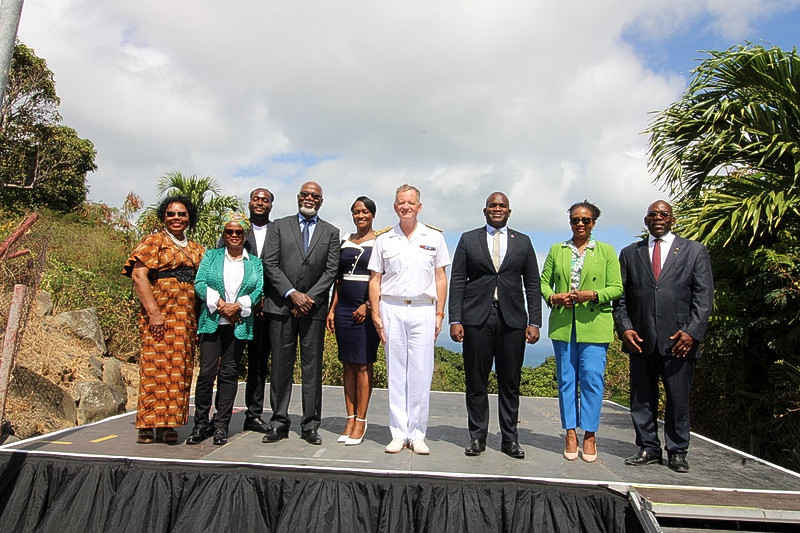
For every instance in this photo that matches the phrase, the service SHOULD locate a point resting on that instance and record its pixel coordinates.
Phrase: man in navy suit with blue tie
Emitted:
(491, 314)
(662, 318)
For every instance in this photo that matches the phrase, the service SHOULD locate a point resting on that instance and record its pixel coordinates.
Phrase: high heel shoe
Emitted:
(344, 436)
(355, 442)
(570, 456)
(589, 457)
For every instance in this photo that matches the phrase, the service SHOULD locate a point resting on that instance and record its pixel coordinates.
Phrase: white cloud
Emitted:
(543, 100)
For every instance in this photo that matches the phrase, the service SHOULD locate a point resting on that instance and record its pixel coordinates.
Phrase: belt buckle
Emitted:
(407, 302)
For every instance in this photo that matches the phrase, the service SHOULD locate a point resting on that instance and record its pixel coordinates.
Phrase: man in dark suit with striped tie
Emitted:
(661, 318)
(495, 307)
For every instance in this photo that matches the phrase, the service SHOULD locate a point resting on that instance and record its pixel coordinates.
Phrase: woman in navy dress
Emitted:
(349, 318)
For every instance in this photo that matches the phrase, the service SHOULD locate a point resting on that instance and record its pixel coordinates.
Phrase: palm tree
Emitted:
(207, 197)
(731, 145)
(729, 151)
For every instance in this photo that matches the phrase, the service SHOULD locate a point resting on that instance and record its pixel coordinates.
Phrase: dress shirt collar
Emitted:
(491, 230)
(312, 220)
(236, 259)
(666, 239)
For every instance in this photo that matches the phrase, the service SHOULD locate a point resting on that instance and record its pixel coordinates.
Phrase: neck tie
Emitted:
(496, 255)
(657, 258)
(496, 250)
(306, 224)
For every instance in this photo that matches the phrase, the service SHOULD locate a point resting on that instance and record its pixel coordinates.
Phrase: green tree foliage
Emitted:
(729, 149)
(42, 163)
(207, 197)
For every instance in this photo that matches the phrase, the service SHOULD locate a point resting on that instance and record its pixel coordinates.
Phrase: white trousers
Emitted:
(409, 330)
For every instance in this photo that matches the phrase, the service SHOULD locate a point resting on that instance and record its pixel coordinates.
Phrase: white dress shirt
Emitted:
(666, 244)
(490, 231)
(260, 235)
(232, 275)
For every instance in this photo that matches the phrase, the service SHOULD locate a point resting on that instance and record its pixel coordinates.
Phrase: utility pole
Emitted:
(10, 11)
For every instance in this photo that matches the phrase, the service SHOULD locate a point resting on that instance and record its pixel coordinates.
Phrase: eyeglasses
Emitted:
(177, 214)
(577, 220)
(306, 194)
(234, 232)
(662, 214)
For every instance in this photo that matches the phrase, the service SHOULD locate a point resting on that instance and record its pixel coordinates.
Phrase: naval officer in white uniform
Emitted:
(407, 293)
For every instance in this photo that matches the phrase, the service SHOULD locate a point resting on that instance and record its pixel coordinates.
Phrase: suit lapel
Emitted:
(484, 246)
(644, 257)
(672, 256)
(511, 245)
(294, 226)
(315, 236)
(252, 247)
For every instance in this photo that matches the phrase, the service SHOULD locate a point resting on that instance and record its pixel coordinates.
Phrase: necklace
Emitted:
(181, 243)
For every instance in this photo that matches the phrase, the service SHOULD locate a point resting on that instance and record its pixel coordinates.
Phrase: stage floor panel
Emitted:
(540, 435)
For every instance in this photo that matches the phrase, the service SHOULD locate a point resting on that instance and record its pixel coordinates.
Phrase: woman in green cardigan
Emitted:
(230, 283)
(580, 278)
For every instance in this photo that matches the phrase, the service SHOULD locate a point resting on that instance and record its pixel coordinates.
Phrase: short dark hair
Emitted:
(161, 210)
(271, 194)
(368, 203)
(588, 205)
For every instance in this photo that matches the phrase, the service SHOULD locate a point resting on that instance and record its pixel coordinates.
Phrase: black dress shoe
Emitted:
(644, 457)
(255, 424)
(220, 437)
(275, 434)
(513, 450)
(678, 463)
(476, 446)
(199, 434)
(311, 436)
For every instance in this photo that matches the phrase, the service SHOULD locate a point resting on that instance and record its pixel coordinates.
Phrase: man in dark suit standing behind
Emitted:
(300, 264)
(661, 319)
(491, 267)
(258, 349)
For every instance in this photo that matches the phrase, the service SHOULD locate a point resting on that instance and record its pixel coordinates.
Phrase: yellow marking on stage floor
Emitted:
(101, 439)
(56, 441)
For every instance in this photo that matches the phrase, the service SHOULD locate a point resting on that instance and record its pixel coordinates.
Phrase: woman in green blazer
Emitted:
(580, 278)
(230, 283)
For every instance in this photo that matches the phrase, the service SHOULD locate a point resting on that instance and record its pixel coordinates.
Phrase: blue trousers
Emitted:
(581, 363)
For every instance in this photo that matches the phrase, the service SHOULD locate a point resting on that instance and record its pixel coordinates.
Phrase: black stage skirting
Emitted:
(60, 493)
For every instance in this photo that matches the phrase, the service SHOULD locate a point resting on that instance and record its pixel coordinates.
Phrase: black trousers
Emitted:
(676, 373)
(493, 341)
(283, 334)
(219, 359)
(257, 367)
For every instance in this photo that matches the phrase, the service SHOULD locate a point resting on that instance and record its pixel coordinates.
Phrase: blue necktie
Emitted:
(306, 224)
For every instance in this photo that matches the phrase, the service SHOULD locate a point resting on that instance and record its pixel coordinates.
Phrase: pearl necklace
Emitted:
(180, 243)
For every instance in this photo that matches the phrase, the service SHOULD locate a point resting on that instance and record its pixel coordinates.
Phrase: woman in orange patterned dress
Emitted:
(163, 267)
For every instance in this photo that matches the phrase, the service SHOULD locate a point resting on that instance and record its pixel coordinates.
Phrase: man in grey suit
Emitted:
(661, 318)
(300, 264)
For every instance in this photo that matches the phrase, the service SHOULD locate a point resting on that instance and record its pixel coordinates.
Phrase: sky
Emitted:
(546, 101)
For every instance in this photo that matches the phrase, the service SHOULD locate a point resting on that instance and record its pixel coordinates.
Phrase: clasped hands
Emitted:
(569, 299)
(231, 311)
(302, 303)
(683, 342)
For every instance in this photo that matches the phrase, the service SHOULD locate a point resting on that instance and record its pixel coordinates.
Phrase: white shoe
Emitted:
(420, 448)
(344, 436)
(354, 442)
(396, 446)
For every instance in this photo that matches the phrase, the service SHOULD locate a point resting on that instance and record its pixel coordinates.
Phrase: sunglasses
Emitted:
(306, 194)
(577, 220)
(662, 214)
(234, 232)
(177, 214)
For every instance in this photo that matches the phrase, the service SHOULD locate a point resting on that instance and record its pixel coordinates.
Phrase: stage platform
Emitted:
(723, 483)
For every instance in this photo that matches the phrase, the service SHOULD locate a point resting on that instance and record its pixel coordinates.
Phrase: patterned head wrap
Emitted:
(236, 218)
